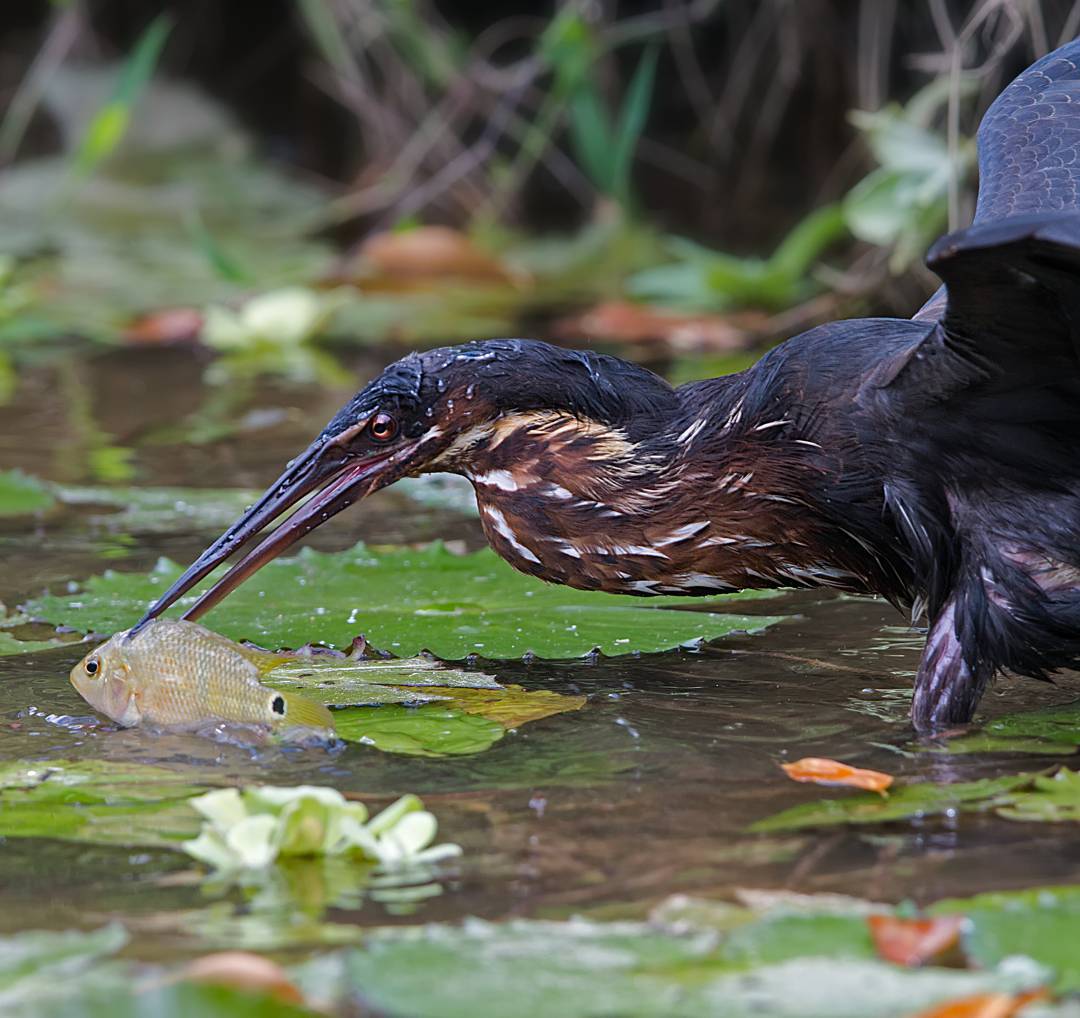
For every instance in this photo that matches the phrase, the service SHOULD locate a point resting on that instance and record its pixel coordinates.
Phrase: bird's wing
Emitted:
(1029, 148)
(1029, 141)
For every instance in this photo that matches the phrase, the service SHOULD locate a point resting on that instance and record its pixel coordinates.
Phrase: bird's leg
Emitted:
(951, 677)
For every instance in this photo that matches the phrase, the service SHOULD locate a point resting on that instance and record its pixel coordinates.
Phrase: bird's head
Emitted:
(446, 410)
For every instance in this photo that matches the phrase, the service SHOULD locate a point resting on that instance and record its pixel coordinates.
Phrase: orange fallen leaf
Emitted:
(169, 325)
(831, 772)
(623, 321)
(431, 251)
(985, 1005)
(914, 941)
(242, 970)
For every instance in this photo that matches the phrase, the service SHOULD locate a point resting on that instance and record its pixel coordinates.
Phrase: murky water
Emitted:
(646, 791)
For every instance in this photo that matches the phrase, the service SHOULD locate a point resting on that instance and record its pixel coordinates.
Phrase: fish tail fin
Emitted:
(299, 710)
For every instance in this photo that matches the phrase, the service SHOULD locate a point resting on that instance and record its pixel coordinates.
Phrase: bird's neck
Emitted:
(579, 503)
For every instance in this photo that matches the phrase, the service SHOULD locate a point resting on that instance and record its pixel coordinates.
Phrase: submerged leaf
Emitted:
(407, 600)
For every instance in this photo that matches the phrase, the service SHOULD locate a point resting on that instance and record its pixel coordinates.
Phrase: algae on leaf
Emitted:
(407, 600)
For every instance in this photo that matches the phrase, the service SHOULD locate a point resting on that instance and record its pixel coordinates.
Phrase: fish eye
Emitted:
(92, 665)
(277, 705)
(383, 427)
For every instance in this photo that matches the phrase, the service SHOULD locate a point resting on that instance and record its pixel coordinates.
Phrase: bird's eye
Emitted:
(383, 427)
(92, 666)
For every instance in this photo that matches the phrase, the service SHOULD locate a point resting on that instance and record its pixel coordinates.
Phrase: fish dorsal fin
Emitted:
(263, 660)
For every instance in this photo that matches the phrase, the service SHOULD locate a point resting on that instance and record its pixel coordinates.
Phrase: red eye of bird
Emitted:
(383, 427)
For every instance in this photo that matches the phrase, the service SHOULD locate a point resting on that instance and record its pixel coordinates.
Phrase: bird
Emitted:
(932, 461)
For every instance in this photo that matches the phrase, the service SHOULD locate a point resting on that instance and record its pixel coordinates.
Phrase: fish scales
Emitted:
(180, 675)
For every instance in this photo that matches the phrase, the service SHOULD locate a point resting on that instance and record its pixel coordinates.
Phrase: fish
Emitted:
(181, 676)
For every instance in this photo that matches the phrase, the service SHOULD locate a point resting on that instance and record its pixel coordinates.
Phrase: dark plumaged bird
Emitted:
(934, 461)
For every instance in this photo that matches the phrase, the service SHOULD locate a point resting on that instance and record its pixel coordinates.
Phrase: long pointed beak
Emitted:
(339, 481)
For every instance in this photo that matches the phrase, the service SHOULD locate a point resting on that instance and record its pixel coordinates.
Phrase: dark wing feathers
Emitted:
(1029, 141)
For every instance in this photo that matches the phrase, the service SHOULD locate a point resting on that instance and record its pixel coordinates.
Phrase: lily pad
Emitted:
(21, 494)
(408, 600)
(581, 969)
(1052, 731)
(1042, 923)
(96, 801)
(904, 801)
(432, 730)
(158, 510)
(1053, 798)
(12, 645)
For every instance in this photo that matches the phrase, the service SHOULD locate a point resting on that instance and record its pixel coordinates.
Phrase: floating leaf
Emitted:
(1051, 730)
(1042, 923)
(822, 771)
(11, 645)
(431, 730)
(21, 494)
(407, 600)
(242, 970)
(985, 1005)
(1050, 798)
(96, 801)
(921, 799)
(914, 941)
(582, 968)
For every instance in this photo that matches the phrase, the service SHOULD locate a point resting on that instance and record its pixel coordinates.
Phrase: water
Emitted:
(646, 791)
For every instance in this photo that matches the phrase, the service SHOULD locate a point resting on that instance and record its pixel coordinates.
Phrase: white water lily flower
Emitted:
(286, 317)
(252, 828)
(222, 807)
(275, 797)
(252, 841)
(210, 848)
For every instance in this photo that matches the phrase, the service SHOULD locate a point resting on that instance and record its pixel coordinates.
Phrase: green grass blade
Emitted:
(632, 119)
(800, 248)
(109, 125)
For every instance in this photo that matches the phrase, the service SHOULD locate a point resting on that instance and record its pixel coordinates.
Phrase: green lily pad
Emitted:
(1042, 923)
(582, 969)
(347, 682)
(1053, 797)
(408, 600)
(12, 645)
(21, 494)
(96, 801)
(902, 802)
(431, 730)
(158, 510)
(1052, 730)
(466, 712)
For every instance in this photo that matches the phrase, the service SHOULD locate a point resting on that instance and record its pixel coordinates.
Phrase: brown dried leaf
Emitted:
(169, 325)
(431, 251)
(242, 970)
(622, 321)
(822, 771)
(985, 1005)
(914, 941)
